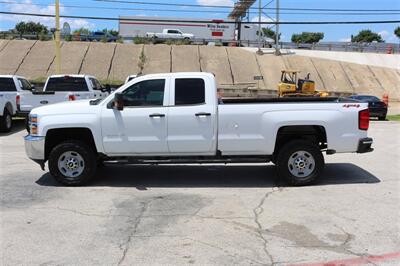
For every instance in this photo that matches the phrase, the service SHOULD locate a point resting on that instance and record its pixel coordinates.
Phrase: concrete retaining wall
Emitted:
(185, 58)
(158, 59)
(38, 60)
(98, 59)
(215, 60)
(125, 61)
(13, 55)
(243, 64)
(231, 66)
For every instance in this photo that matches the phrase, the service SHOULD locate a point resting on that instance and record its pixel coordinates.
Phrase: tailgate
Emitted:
(33, 100)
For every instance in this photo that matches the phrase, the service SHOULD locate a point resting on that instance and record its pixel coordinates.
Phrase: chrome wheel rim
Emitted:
(301, 164)
(8, 121)
(71, 164)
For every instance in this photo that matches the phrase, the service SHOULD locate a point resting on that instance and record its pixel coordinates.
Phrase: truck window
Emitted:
(173, 31)
(25, 85)
(95, 84)
(67, 84)
(189, 91)
(145, 93)
(7, 84)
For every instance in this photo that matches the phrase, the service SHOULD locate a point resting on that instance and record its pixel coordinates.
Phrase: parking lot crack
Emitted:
(235, 256)
(258, 210)
(135, 224)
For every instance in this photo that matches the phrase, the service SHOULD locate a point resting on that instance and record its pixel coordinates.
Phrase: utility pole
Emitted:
(277, 51)
(259, 51)
(57, 38)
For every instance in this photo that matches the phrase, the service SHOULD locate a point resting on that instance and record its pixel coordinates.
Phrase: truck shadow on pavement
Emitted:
(246, 176)
(18, 125)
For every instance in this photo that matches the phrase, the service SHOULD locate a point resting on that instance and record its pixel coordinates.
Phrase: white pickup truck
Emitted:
(170, 34)
(61, 88)
(178, 118)
(9, 100)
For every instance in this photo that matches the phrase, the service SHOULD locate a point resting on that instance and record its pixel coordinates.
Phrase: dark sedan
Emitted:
(376, 107)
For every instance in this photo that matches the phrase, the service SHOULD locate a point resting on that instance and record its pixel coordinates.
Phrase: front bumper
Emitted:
(364, 145)
(34, 148)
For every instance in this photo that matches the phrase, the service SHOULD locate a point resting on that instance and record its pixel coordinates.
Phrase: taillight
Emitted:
(18, 101)
(363, 119)
(71, 97)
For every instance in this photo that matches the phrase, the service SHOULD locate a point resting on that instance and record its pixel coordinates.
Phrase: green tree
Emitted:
(269, 33)
(31, 28)
(111, 32)
(82, 31)
(366, 36)
(307, 37)
(397, 32)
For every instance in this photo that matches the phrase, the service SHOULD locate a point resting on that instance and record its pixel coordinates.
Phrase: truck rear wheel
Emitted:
(5, 121)
(72, 163)
(300, 162)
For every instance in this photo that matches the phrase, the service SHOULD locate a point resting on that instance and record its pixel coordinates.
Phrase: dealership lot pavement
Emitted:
(236, 214)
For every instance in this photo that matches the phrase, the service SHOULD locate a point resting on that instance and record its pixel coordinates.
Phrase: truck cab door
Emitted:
(192, 117)
(141, 127)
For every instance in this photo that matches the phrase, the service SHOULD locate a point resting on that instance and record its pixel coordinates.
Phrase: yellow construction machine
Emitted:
(290, 86)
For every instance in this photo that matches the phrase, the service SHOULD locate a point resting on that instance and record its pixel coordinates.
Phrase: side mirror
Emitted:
(108, 88)
(32, 88)
(118, 101)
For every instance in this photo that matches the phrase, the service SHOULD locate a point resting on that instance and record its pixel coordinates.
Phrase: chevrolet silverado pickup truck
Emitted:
(178, 118)
(60, 88)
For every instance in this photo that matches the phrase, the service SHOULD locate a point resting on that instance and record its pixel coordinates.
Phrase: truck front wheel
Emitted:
(72, 163)
(300, 162)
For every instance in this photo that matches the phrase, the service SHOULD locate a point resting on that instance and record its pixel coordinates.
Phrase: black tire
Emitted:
(77, 147)
(289, 152)
(382, 118)
(6, 121)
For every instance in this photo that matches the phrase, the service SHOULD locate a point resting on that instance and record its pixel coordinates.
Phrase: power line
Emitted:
(206, 21)
(195, 11)
(222, 6)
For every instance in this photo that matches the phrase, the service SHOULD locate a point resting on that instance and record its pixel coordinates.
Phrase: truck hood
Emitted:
(70, 107)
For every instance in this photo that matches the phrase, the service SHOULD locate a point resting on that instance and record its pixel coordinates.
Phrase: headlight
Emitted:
(33, 124)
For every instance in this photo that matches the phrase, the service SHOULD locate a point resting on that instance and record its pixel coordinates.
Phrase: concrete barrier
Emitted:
(158, 59)
(13, 55)
(389, 80)
(125, 61)
(72, 56)
(185, 58)
(98, 60)
(362, 79)
(3, 44)
(332, 74)
(38, 60)
(270, 67)
(244, 66)
(215, 60)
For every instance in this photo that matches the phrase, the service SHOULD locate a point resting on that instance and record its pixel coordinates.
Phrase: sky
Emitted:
(332, 32)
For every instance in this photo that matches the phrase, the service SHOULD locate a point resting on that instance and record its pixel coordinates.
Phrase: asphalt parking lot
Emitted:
(218, 215)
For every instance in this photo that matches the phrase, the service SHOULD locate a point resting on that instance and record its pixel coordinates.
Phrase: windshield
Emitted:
(67, 84)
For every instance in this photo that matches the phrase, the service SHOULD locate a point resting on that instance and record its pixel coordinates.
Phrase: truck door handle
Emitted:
(203, 114)
(157, 115)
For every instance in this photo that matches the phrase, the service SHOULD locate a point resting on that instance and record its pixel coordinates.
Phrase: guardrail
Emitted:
(383, 48)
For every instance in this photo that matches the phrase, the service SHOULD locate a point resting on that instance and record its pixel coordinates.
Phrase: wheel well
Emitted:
(58, 135)
(315, 134)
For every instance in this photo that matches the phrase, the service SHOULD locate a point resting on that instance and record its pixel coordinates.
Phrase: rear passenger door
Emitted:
(192, 117)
